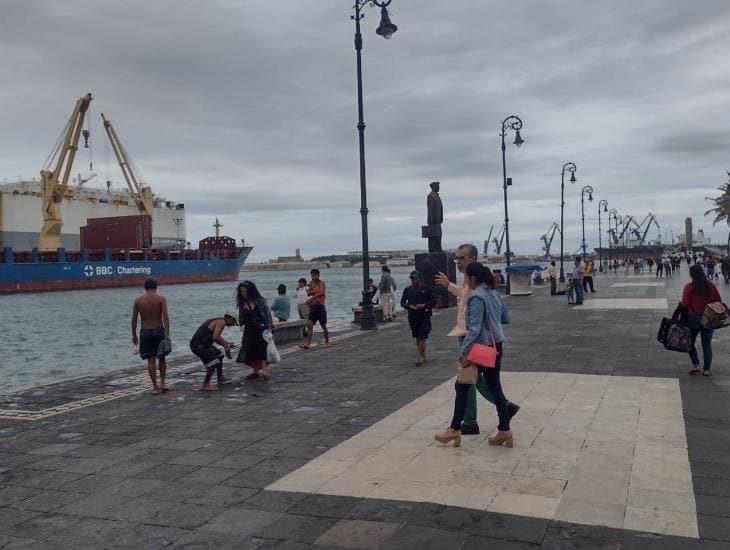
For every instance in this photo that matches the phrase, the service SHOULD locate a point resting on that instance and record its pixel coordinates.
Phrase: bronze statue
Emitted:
(435, 218)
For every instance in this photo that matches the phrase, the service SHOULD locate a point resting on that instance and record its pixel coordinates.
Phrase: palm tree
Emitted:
(721, 210)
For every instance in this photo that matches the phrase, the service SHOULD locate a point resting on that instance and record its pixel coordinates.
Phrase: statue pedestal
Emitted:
(429, 264)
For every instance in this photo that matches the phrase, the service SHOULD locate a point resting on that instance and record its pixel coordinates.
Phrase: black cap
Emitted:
(415, 274)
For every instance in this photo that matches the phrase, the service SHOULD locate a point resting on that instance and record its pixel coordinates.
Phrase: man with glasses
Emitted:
(465, 255)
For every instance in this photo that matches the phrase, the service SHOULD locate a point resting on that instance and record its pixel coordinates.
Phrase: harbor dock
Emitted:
(616, 446)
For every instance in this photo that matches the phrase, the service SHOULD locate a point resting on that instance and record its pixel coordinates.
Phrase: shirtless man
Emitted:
(152, 309)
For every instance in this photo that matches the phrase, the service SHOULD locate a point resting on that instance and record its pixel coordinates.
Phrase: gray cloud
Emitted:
(247, 110)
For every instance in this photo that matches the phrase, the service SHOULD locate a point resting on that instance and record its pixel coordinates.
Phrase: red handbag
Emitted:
(482, 354)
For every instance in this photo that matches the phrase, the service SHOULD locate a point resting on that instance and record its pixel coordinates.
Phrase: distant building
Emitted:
(297, 258)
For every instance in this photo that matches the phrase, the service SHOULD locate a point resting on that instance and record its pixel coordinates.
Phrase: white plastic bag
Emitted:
(272, 354)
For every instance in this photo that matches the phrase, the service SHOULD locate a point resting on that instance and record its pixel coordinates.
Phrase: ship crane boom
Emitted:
(54, 183)
(548, 240)
(141, 194)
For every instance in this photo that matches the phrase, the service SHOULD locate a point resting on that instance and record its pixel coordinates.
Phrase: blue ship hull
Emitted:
(43, 276)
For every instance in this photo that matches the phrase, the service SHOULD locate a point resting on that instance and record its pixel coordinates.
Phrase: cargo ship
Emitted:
(58, 236)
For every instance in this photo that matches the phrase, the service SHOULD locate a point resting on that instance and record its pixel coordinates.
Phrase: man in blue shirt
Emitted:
(281, 308)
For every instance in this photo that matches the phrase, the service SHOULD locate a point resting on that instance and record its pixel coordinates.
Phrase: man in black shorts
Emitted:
(417, 299)
(154, 338)
(317, 310)
(201, 344)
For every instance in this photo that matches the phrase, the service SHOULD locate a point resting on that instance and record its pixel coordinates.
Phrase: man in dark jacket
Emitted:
(417, 299)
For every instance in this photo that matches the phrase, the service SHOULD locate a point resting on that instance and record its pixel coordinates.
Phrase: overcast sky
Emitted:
(246, 110)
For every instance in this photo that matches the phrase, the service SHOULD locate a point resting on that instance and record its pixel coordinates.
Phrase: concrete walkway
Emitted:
(615, 446)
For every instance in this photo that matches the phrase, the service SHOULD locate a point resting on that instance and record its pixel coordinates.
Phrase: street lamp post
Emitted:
(567, 167)
(604, 204)
(611, 214)
(586, 189)
(512, 122)
(386, 30)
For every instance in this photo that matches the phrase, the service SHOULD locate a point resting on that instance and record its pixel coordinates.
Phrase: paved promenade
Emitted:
(615, 445)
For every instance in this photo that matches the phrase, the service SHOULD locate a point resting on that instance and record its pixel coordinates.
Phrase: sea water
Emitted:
(52, 336)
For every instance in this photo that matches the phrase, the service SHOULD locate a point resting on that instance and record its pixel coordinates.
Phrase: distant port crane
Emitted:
(499, 240)
(648, 220)
(548, 237)
(486, 243)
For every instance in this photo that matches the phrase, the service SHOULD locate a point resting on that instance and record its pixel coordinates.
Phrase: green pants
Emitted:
(470, 416)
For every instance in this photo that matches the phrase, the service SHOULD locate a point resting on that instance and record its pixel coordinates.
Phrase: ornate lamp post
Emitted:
(567, 167)
(512, 122)
(604, 204)
(611, 214)
(386, 30)
(586, 189)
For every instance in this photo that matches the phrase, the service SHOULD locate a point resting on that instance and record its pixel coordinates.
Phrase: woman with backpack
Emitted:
(485, 314)
(695, 297)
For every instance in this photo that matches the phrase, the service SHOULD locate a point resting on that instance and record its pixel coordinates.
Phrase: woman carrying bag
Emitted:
(481, 354)
(255, 318)
(696, 295)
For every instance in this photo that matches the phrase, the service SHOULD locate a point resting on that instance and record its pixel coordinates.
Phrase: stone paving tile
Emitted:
(295, 528)
(417, 537)
(242, 522)
(48, 500)
(325, 506)
(223, 495)
(348, 533)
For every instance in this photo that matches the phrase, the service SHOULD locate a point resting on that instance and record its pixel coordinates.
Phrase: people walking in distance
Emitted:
(725, 268)
(485, 315)
(667, 267)
(626, 266)
(615, 267)
(280, 307)
(710, 267)
(154, 337)
(553, 275)
(254, 316)
(386, 287)
(465, 255)
(659, 268)
(417, 300)
(650, 263)
(677, 265)
(695, 297)
(588, 276)
(578, 281)
(317, 310)
(201, 344)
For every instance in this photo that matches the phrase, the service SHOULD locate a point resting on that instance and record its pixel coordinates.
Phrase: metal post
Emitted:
(512, 122)
(589, 189)
(570, 167)
(506, 216)
(367, 320)
(602, 204)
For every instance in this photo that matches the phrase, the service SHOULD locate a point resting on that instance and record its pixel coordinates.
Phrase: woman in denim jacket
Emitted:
(484, 303)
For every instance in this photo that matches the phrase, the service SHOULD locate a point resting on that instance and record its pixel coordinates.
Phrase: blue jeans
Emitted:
(578, 289)
(706, 339)
(491, 377)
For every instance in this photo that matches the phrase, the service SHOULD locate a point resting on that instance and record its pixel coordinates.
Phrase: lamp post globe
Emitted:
(569, 168)
(512, 122)
(386, 29)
